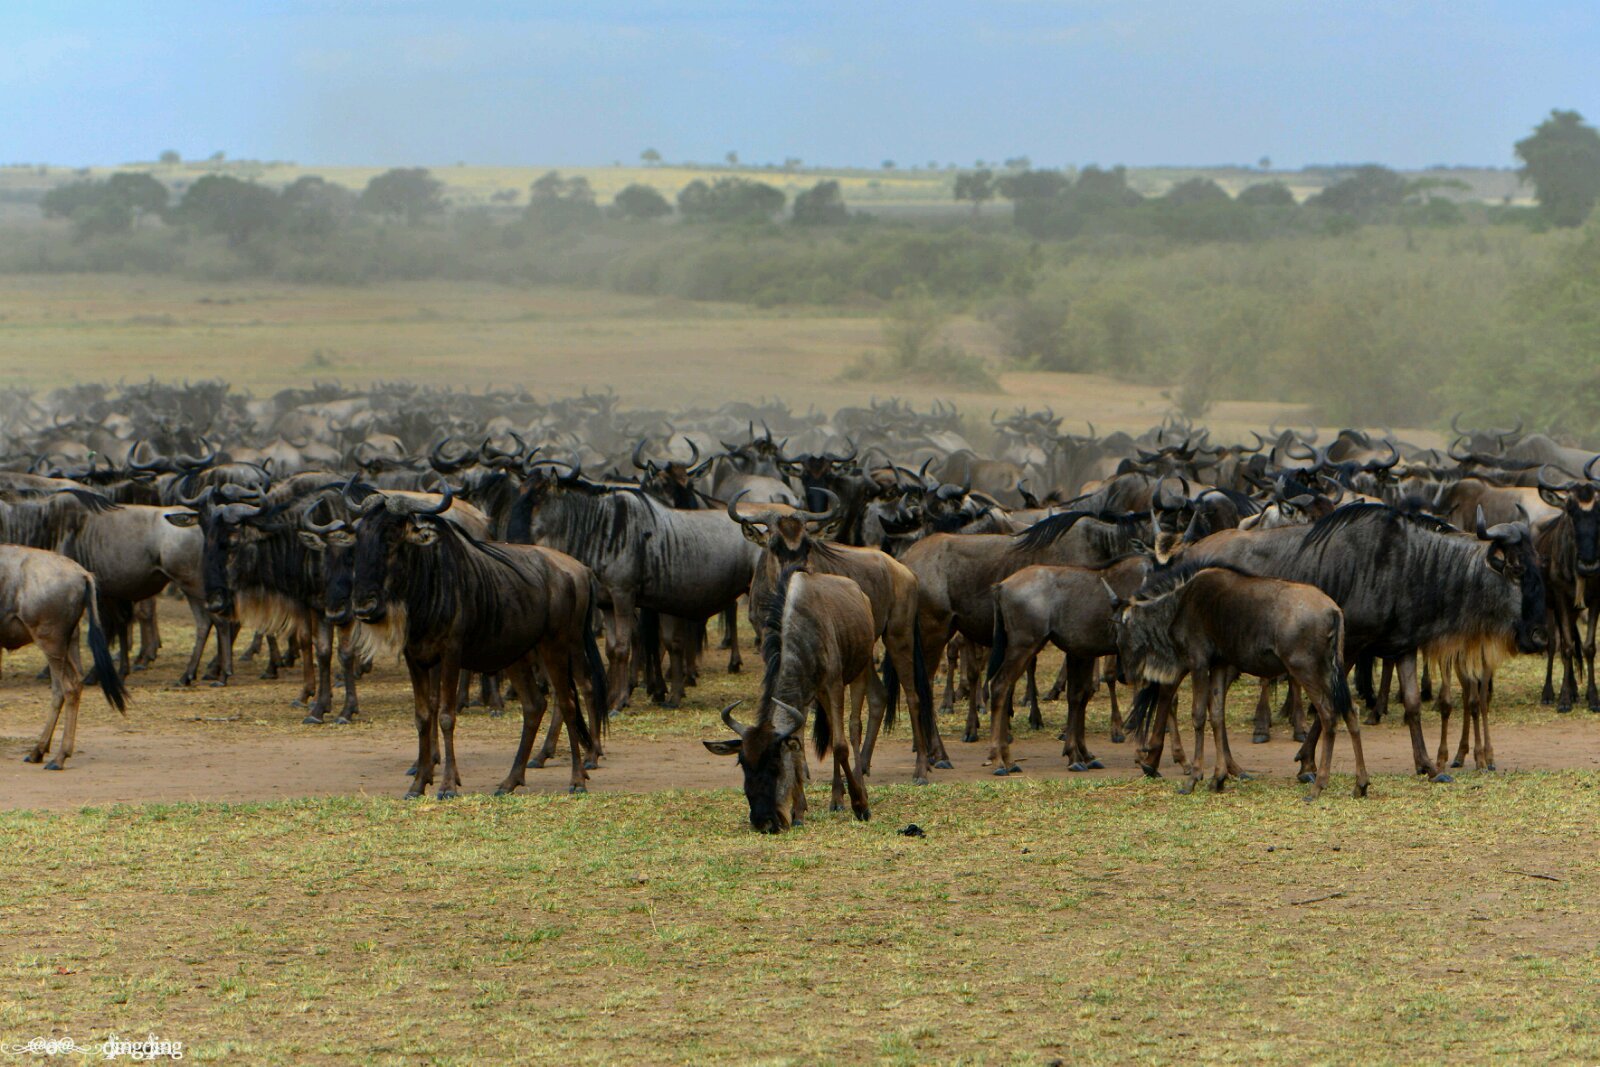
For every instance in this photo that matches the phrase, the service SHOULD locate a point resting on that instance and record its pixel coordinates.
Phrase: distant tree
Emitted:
(1108, 188)
(1019, 163)
(222, 204)
(1264, 163)
(732, 159)
(1266, 194)
(1033, 185)
(171, 157)
(1196, 191)
(888, 164)
(821, 205)
(218, 156)
(650, 156)
(410, 193)
(313, 207)
(1562, 160)
(1364, 194)
(640, 203)
(729, 200)
(557, 203)
(976, 186)
(103, 207)
(792, 163)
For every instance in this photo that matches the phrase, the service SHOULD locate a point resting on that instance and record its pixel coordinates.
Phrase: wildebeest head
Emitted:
(672, 482)
(788, 532)
(336, 541)
(1511, 555)
(773, 760)
(386, 526)
(1143, 628)
(1579, 502)
(1170, 514)
(227, 527)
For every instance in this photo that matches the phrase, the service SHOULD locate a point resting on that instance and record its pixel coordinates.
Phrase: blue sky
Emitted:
(1404, 82)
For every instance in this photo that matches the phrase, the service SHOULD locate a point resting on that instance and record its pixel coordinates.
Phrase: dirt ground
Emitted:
(246, 742)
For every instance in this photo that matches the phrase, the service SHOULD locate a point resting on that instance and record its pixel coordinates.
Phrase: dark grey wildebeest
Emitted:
(43, 597)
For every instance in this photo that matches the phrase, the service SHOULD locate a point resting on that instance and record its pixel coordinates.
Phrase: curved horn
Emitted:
(822, 518)
(198, 502)
(733, 510)
(1589, 464)
(1261, 442)
(1455, 425)
(313, 526)
(135, 465)
(445, 500)
(1559, 487)
(732, 723)
(1480, 525)
(1394, 458)
(638, 456)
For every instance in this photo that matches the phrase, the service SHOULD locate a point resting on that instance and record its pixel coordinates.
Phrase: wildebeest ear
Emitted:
(724, 748)
(182, 519)
(341, 538)
(754, 534)
(1496, 559)
(421, 532)
(313, 541)
(1555, 498)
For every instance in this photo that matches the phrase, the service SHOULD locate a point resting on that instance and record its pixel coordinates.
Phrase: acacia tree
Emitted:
(976, 186)
(1562, 160)
(821, 205)
(404, 192)
(640, 203)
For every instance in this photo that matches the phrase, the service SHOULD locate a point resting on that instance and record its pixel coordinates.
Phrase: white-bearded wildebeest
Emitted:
(1214, 623)
(956, 574)
(43, 596)
(450, 603)
(133, 550)
(792, 540)
(819, 639)
(1407, 585)
(687, 564)
(1069, 607)
(1569, 548)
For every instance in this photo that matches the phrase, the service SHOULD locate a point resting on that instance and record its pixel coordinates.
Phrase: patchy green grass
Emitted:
(1100, 921)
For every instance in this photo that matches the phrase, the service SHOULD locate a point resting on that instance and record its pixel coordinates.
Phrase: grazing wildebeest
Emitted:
(819, 639)
(1069, 607)
(1214, 623)
(1569, 548)
(1408, 585)
(43, 596)
(792, 539)
(450, 603)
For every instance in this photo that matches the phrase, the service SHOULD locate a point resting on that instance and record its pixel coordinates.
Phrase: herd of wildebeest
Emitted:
(497, 537)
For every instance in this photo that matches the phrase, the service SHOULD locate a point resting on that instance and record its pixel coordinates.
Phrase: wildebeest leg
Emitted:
(1325, 727)
(1547, 695)
(492, 699)
(730, 638)
(203, 625)
(1200, 683)
(1383, 688)
(449, 705)
(1178, 758)
(273, 659)
(868, 690)
(1352, 724)
(1060, 685)
(56, 663)
(350, 668)
(228, 633)
(1444, 726)
(322, 662)
(1567, 630)
(1485, 698)
(1588, 658)
(877, 704)
(1297, 710)
(1217, 711)
(1002, 689)
(531, 697)
(1109, 676)
(973, 670)
(72, 692)
(1263, 725)
(557, 660)
(424, 707)
(1035, 717)
(619, 648)
(1471, 722)
(952, 651)
(1080, 687)
(1427, 681)
(252, 648)
(833, 706)
(144, 612)
(1411, 696)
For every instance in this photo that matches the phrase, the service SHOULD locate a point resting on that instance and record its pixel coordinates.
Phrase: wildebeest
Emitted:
(450, 603)
(791, 540)
(1214, 623)
(43, 597)
(819, 639)
(1569, 548)
(1408, 585)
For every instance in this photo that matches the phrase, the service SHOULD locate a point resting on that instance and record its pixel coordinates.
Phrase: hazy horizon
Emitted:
(1061, 81)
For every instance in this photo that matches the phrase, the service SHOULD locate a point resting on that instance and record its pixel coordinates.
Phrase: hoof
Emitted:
(219, 684)
(1185, 789)
(446, 794)
(969, 737)
(1117, 739)
(1305, 777)
(311, 720)
(495, 713)
(1096, 765)
(502, 791)
(1300, 736)
(735, 668)
(915, 780)
(836, 805)
(577, 790)
(53, 765)
(864, 815)
(943, 765)
(33, 757)
(1260, 738)
(1001, 771)
(1562, 709)
(1078, 766)
(411, 771)
(591, 764)
(345, 719)
(538, 762)
(1442, 779)
(1360, 790)
(1491, 767)
(1217, 784)
(413, 794)
(1310, 797)
(1458, 763)
(1149, 771)
(1243, 777)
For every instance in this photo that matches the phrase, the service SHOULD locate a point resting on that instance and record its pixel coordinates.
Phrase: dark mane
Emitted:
(772, 607)
(1158, 583)
(1048, 531)
(1321, 531)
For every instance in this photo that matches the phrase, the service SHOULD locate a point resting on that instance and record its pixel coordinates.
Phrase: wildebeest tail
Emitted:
(1143, 702)
(597, 668)
(1338, 687)
(997, 649)
(821, 731)
(105, 668)
(891, 687)
(1364, 664)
